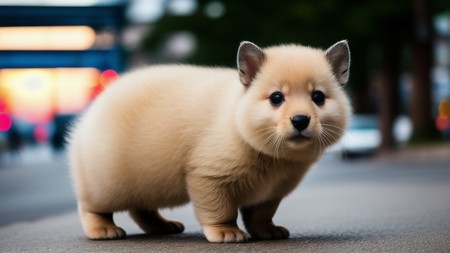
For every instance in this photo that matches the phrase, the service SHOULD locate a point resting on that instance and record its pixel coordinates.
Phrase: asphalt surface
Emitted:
(389, 205)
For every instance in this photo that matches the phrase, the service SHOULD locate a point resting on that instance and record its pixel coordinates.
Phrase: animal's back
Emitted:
(140, 131)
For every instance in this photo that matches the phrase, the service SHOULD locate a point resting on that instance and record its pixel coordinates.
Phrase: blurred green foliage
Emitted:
(367, 25)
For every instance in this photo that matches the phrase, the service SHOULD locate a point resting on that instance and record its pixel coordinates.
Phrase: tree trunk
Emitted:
(389, 79)
(421, 102)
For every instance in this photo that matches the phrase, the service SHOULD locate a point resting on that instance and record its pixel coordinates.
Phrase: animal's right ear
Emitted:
(249, 60)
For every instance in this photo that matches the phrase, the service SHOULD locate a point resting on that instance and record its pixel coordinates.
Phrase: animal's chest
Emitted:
(271, 183)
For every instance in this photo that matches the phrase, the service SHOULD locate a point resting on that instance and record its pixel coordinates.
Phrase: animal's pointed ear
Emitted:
(338, 55)
(249, 60)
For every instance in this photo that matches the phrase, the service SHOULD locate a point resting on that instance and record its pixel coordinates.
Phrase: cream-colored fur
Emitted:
(162, 136)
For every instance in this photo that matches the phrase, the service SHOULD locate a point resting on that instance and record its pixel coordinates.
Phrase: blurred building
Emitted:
(55, 57)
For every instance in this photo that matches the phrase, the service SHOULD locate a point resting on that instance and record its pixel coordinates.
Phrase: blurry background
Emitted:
(57, 56)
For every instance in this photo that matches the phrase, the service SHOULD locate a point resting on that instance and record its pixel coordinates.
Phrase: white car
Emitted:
(363, 136)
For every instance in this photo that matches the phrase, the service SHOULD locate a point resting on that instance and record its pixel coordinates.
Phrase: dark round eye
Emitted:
(276, 99)
(318, 97)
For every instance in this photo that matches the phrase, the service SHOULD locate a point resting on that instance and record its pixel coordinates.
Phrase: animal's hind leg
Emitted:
(153, 223)
(99, 226)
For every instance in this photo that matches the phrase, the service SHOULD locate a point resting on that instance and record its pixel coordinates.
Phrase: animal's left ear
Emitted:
(249, 60)
(338, 55)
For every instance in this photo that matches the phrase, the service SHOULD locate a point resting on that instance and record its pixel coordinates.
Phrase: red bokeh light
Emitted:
(40, 134)
(5, 122)
(442, 123)
(107, 77)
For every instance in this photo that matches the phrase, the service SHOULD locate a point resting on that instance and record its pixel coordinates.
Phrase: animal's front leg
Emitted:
(258, 221)
(215, 209)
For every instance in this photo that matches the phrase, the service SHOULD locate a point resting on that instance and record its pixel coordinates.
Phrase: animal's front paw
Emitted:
(105, 233)
(224, 233)
(270, 232)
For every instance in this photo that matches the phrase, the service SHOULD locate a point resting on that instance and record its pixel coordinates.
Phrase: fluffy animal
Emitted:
(226, 140)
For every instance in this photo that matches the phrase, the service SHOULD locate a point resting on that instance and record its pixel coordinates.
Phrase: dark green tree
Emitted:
(379, 34)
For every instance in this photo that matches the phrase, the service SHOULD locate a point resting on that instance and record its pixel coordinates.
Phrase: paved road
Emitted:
(34, 184)
(342, 206)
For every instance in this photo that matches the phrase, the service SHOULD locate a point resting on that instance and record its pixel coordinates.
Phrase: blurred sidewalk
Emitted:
(419, 153)
(30, 154)
(34, 183)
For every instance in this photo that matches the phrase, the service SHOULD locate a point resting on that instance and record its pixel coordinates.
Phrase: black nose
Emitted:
(300, 122)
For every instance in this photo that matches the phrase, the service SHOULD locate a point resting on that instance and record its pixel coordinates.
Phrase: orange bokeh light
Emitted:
(36, 95)
(444, 108)
(47, 38)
